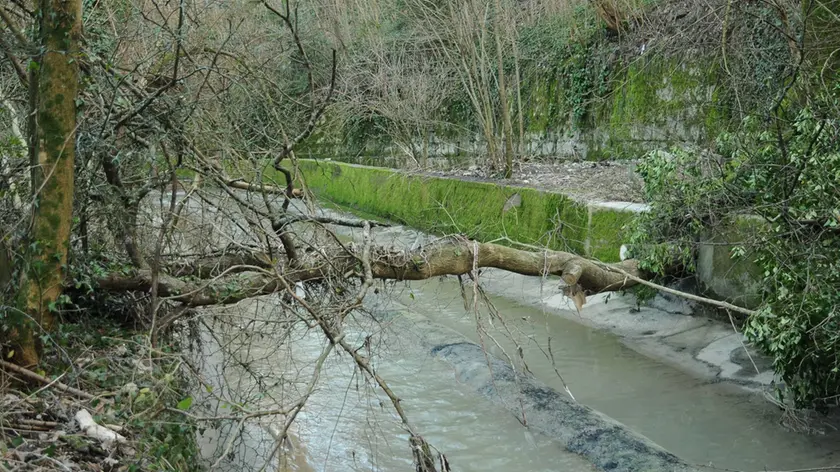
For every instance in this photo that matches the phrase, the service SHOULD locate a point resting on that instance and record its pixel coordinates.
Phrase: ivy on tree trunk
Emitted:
(53, 155)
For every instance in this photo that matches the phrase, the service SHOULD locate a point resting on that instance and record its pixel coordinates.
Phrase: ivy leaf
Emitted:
(185, 404)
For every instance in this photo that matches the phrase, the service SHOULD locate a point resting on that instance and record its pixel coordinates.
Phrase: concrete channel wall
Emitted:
(490, 211)
(483, 210)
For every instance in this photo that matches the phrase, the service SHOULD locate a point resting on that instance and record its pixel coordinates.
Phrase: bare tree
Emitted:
(402, 84)
(463, 38)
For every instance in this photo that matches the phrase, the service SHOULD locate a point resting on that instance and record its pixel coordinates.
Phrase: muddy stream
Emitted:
(347, 424)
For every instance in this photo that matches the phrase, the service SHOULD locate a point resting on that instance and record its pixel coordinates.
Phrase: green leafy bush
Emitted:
(792, 176)
(682, 203)
(786, 170)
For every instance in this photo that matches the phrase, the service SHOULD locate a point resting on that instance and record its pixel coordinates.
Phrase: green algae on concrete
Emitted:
(480, 210)
(656, 102)
(508, 215)
(607, 229)
(722, 274)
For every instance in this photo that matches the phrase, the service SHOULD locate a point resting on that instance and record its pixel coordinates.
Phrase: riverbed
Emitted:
(703, 421)
(348, 424)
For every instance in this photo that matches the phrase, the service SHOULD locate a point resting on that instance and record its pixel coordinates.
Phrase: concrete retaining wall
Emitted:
(492, 212)
(482, 210)
(655, 103)
(721, 272)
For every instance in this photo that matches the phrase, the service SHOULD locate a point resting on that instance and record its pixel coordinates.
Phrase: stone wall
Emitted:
(653, 103)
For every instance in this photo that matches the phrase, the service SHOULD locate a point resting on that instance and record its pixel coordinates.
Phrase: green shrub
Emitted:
(786, 170)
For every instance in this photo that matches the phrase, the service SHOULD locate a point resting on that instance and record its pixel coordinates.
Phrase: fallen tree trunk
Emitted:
(214, 266)
(450, 256)
(220, 291)
(458, 256)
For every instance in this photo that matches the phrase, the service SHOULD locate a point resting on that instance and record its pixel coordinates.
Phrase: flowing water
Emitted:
(701, 422)
(347, 424)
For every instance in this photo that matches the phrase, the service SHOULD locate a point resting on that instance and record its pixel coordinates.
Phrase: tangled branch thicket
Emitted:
(189, 210)
(161, 228)
(774, 175)
(187, 198)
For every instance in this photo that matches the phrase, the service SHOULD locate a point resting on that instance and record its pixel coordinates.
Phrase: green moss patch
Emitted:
(607, 232)
(480, 210)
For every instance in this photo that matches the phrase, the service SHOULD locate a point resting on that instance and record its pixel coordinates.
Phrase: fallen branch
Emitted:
(31, 430)
(242, 185)
(328, 220)
(688, 296)
(103, 434)
(40, 378)
(37, 423)
(219, 291)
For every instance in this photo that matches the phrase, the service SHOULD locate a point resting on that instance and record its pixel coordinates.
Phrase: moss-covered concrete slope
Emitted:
(484, 211)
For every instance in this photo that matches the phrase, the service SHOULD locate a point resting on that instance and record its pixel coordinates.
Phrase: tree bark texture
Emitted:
(52, 171)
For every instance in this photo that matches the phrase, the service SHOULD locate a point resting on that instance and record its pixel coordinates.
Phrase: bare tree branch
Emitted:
(316, 111)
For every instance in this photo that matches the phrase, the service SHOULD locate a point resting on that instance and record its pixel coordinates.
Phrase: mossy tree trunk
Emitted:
(54, 137)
